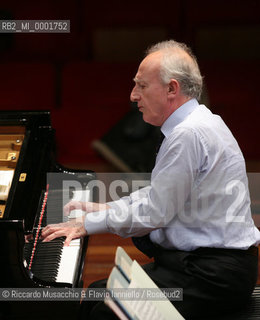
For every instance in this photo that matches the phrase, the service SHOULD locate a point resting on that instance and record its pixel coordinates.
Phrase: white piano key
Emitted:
(70, 254)
(68, 263)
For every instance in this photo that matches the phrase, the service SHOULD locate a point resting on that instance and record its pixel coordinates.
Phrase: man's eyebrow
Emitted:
(138, 80)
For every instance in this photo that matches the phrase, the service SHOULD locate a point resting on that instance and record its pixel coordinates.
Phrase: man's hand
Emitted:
(74, 228)
(84, 206)
(71, 230)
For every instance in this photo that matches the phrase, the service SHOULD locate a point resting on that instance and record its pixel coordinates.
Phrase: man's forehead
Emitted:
(149, 66)
(152, 61)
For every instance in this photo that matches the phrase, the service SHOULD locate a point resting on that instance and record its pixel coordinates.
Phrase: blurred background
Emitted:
(85, 77)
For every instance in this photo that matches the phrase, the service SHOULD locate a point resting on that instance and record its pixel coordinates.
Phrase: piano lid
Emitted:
(36, 144)
(29, 119)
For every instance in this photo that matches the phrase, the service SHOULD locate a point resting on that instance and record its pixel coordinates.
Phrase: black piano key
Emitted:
(47, 255)
(46, 260)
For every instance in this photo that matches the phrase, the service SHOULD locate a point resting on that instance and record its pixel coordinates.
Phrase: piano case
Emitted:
(27, 152)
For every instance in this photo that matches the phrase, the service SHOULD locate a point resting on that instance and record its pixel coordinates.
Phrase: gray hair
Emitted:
(175, 65)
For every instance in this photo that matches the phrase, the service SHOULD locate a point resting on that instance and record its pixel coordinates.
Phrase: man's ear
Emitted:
(173, 87)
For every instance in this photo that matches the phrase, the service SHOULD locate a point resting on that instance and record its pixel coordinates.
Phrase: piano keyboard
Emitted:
(52, 261)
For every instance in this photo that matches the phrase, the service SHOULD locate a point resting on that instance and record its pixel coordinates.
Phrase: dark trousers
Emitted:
(214, 281)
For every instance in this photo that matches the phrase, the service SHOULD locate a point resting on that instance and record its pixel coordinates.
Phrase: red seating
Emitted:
(217, 12)
(47, 46)
(27, 86)
(95, 96)
(133, 13)
(233, 94)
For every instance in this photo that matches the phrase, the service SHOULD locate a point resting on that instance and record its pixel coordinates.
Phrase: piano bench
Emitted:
(250, 312)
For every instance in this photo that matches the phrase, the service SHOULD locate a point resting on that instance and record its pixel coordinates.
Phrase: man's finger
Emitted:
(54, 234)
(67, 241)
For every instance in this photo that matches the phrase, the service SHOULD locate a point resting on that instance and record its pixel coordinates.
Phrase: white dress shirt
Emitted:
(198, 195)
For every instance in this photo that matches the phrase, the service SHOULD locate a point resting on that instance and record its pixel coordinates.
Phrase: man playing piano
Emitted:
(200, 230)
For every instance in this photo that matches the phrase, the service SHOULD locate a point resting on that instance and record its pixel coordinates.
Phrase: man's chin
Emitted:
(147, 120)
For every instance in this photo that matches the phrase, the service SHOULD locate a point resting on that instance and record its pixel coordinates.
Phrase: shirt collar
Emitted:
(178, 116)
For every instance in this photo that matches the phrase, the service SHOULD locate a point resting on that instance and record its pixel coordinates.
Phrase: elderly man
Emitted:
(200, 230)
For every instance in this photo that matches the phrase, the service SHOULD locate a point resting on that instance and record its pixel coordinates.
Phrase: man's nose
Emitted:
(134, 96)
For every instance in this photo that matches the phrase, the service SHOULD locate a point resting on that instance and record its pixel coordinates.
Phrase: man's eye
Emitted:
(142, 86)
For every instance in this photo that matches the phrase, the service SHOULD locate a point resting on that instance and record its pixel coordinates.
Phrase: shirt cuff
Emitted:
(95, 222)
(121, 203)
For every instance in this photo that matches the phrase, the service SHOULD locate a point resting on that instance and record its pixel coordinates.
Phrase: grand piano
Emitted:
(27, 154)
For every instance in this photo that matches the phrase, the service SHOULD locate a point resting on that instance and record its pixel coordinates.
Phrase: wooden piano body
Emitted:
(27, 150)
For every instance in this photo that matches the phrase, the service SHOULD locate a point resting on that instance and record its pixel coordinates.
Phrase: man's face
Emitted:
(149, 92)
